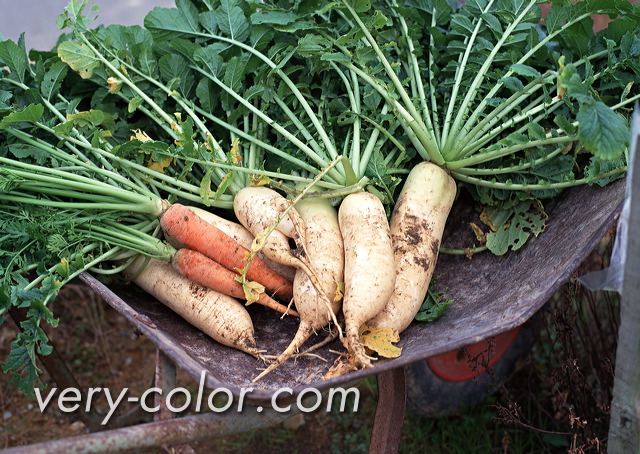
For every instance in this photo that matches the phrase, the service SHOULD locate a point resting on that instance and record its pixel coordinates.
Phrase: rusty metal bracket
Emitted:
(390, 412)
(172, 432)
(165, 379)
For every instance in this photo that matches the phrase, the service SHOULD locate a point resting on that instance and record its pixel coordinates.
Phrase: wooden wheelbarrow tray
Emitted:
(491, 295)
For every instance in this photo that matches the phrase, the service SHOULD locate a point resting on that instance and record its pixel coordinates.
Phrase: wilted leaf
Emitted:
(252, 291)
(528, 219)
(381, 340)
(79, 57)
(159, 166)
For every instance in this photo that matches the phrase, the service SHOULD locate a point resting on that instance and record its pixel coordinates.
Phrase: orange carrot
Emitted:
(182, 224)
(202, 270)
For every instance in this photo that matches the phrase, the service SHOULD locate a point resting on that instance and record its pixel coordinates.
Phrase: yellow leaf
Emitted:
(252, 291)
(340, 367)
(114, 85)
(140, 135)
(258, 242)
(259, 180)
(236, 159)
(380, 340)
(480, 235)
(159, 166)
(484, 217)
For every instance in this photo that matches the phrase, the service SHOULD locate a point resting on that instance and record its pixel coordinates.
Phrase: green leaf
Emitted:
(525, 70)
(526, 219)
(536, 132)
(24, 151)
(9, 182)
(210, 57)
(512, 83)
(30, 114)
(5, 96)
(273, 17)
(312, 44)
(189, 13)
(206, 96)
(92, 119)
(461, 25)
(629, 46)
(261, 36)
(134, 103)
(556, 18)
(563, 123)
(476, 7)
(602, 131)
(168, 23)
(434, 305)
(79, 57)
(234, 75)
(577, 36)
(361, 6)
(15, 58)
(598, 167)
(53, 79)
(335, 56)
(174, 67)
(570, 80)
(232, 21)
(493, 23)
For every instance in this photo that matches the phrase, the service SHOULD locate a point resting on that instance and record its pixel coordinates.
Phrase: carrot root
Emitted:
(204, 271)
(182, 224)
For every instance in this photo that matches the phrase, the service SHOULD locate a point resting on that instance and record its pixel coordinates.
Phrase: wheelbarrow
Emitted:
(493, 297)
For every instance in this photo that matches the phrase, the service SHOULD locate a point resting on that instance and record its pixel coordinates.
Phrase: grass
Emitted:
(557, 401)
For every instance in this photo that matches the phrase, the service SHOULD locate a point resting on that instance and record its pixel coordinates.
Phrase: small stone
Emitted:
(294, 422)
(77, 426)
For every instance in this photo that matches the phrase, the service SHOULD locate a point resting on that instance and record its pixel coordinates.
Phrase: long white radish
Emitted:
(417, 225)
(221, 317)
(369, 268)
(326, 254)
(259, 209)
(244, 237)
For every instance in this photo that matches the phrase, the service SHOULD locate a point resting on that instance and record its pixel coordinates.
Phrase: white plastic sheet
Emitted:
(611, 278)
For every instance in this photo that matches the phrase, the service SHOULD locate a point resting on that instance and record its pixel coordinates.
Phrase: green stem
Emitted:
(149, 208)
(415, 70)
(533, 187)
(472, 92)
(417, 134)
(313, 143)
(514, 168)
(70, 180)
(126, 80)
(496, 115)
(255, 140)
(483, 104)
(505, 151)
(264, 117)
(425, 133)
(547, 108)
(290, 84)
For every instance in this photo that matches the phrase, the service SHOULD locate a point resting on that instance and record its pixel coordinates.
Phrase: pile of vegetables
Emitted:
(301, 155)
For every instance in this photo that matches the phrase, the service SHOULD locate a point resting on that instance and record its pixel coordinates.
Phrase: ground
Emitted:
(102, 349)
